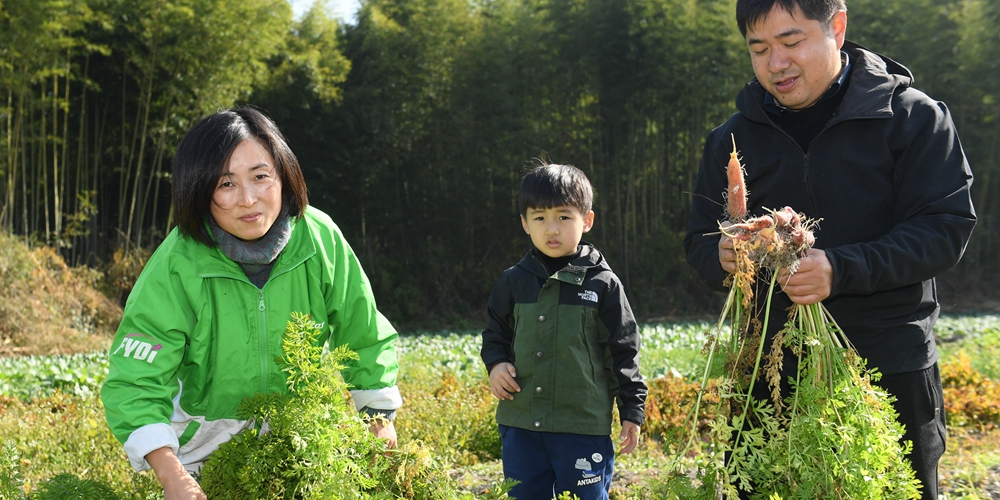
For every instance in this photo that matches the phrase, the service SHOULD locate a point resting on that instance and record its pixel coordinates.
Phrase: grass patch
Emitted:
(63, 433)
(978, 337)
(970, 468)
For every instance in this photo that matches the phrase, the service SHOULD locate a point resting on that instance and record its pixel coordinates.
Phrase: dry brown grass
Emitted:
(970, 467)
(47, 307)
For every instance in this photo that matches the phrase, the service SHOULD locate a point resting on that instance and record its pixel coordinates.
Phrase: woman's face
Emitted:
(247, 197)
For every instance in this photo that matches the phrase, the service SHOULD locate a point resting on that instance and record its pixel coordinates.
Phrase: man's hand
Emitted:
(383, 429)
(727, 257)
(629, 437)
(813, 281)
(502, 383)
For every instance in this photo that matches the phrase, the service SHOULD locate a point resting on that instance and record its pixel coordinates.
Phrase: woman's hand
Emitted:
(383, 429)
(177, 483)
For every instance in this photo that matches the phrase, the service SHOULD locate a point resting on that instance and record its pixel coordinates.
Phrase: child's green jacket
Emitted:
(197, 337)
(573, 342)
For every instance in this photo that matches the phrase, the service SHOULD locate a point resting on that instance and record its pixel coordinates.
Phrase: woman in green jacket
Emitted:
(203, 325)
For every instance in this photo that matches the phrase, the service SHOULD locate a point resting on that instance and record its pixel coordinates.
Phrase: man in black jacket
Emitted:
(835, 131)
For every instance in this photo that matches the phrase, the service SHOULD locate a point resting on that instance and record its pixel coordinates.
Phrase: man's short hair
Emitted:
(751, 12)
(549, 186)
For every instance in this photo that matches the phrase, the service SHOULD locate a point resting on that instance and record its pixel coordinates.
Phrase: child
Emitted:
(561, 328)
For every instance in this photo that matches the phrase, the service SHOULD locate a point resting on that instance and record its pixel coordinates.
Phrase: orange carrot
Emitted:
(759, 223)
(736, 196)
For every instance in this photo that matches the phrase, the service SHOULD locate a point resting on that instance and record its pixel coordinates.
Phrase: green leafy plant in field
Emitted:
(62, 433)
(468, 434)
(58, 433)
(39, 376)
(67, 485)
(311, 443)
(838, 435)
(833, 434)
(10, 473)
(447, 401)
(59, 487)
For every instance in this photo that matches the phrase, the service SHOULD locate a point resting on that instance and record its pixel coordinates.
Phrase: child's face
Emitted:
(557, 231)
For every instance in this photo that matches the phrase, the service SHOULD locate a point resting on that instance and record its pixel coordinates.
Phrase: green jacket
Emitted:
(573, 342)
(197, 337)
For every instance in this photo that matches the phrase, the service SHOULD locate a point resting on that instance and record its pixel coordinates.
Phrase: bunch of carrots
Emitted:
(784, 447)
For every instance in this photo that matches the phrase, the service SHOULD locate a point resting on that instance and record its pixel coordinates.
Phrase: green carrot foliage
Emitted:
(833, 435)
(311, 443)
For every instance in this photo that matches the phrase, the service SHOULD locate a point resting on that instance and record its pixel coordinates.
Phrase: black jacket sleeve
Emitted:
(933, 210)
(624, 343)
(498, 337)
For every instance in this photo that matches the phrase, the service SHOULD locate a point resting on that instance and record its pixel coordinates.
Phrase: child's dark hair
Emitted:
(549, 186)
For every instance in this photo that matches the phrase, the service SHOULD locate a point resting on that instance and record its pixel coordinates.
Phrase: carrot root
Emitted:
(736, 195)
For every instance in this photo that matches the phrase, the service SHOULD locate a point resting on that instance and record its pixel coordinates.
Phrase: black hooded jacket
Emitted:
(890, 183)
(575, 344)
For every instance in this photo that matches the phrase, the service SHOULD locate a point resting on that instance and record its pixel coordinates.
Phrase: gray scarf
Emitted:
(255, 258)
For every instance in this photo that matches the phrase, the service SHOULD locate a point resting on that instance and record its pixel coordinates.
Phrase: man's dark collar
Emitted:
(775, 108)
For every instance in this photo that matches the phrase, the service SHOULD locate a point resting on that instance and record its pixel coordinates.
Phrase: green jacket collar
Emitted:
(573, 273)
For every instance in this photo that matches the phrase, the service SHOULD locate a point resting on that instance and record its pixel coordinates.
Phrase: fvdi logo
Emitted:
(137, 348)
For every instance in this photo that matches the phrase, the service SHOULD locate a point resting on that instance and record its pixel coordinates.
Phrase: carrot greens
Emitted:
(829, 432)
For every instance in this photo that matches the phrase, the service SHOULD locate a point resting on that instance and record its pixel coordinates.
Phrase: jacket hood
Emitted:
(871, 97)
(890, 66)
(589, 257)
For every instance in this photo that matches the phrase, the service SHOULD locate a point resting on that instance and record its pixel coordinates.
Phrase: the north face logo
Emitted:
(589, 295)
(139, 349)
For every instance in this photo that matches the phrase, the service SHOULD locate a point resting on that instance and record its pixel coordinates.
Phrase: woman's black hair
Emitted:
(203, 154)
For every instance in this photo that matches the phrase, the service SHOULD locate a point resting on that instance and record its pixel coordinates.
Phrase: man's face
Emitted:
(794, 58)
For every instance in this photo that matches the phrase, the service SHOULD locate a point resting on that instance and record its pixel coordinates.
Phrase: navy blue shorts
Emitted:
(549, 463)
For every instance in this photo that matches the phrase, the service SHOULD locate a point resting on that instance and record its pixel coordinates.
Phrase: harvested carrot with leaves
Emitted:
(835, 434)
(736, 194)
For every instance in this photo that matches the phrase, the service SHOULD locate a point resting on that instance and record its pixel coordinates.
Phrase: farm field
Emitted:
(51, 421)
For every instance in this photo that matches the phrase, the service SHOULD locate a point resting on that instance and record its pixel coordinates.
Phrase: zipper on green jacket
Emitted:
(263, 319)
(262, 333)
